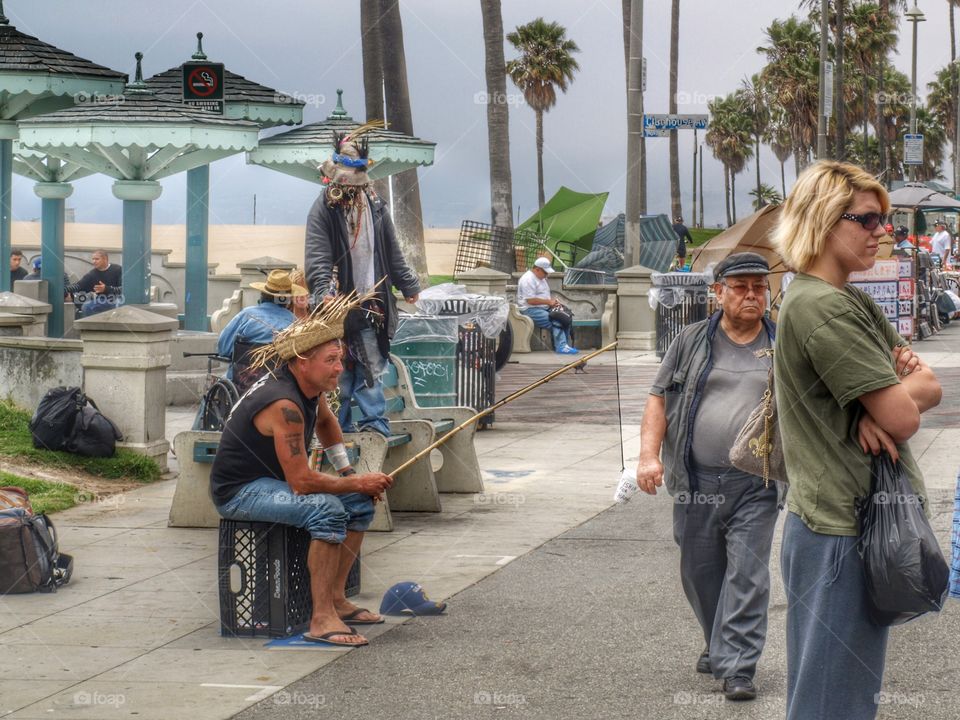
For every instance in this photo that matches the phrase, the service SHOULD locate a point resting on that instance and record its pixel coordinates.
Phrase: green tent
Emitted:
(568, 218)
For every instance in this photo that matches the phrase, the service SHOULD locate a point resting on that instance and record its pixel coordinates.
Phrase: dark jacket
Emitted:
(111, 277)
(682, 395)
(327, 247)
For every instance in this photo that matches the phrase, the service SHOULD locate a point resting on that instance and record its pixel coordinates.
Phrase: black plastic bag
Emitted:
(53, 422)
(906, 573)
(94, 434)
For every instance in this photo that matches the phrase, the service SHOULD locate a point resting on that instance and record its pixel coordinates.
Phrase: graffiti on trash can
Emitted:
(421, 371)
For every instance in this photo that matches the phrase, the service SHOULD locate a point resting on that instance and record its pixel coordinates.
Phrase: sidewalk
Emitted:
(590, 624)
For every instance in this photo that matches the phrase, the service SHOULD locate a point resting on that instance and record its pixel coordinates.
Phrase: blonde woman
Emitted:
(847, 387)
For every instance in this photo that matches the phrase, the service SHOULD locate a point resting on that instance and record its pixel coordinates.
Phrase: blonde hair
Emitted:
(822, 193)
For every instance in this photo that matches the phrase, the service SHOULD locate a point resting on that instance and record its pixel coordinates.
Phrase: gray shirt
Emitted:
(734, 386)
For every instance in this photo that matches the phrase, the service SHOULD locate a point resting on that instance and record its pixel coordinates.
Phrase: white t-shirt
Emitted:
(530, 286)
(940, 244)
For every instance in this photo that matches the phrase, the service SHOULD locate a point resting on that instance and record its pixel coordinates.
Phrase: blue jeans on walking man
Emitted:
(370, 401)
(541, 318)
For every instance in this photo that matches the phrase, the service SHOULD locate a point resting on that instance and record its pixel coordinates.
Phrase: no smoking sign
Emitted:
(202, 83)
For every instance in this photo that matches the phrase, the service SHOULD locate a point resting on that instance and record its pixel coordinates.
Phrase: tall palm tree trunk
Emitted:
(783, 180)
(953, 34)
(866, 121)
(540, 196)
(733, 196)
(726, 192)
(760, 201)
(370, 41)
(840, 152)
(676, 209)
(406, 187)
(498, 119)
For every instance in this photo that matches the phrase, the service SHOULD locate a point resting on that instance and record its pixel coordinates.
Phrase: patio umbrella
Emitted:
(917, 196)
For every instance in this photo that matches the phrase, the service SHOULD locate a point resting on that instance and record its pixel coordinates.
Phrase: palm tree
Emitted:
(546, 63)
(778, 137)
(729, 137)
(408, 218)
(676, 209)
(791, 80)
(498, 120)
(765, 195)
(370, 41)
(755, 106)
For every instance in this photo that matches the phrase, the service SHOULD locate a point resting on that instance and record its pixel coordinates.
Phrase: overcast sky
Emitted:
(311, 48)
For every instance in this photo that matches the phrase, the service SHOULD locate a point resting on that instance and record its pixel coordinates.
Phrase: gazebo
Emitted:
(137, 139)
(299, 152)
(243, 100)
(37, 78)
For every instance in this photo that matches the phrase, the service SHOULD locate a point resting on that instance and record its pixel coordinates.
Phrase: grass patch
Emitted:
(45, 496)
(15, 442)
(702, 235)
(440, 279)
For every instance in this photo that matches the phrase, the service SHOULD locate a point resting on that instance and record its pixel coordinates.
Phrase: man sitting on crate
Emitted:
(261, 473)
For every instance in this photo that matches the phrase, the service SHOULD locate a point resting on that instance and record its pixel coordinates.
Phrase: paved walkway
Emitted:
(559, 605)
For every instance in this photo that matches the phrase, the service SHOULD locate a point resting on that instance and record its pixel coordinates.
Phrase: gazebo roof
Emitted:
(20, 52)
(138, 135)
(243, 98)
(300, 151)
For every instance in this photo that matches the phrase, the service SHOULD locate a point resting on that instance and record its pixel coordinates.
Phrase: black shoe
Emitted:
(739, 687)
(703, 663)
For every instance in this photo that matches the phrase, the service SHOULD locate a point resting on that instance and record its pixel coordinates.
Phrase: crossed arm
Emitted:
(283, 421)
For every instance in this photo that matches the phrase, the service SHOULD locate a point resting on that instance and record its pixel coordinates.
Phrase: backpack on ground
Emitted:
(30, 560)
(52, 423)
(94, 434)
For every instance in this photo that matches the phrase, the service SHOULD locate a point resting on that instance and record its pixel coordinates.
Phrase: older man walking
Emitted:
(713, 375)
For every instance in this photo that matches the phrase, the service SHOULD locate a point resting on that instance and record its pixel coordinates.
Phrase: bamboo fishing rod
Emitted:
(500, 403)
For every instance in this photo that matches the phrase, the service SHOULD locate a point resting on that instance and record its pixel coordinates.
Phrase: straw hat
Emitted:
(279, 284)
(324, 324)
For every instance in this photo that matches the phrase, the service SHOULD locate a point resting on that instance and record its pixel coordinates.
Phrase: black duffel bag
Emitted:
(94, 434)
(53, 422)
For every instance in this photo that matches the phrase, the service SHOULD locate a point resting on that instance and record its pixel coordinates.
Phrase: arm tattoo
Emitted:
(294, 443)
(292, 417)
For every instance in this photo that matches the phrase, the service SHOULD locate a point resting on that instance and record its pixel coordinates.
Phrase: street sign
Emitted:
(828, 89)
(913, 149)
(203, 85)
(663, 125)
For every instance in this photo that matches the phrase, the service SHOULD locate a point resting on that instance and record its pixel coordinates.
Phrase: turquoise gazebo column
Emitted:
(53, 198)
(138, 197)
(198, 203)
(6, 205)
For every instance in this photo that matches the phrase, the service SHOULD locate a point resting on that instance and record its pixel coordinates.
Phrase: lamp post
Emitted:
(915, 16)
(822, 117)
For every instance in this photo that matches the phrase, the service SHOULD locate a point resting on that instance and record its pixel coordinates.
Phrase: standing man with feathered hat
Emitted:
(351, 246)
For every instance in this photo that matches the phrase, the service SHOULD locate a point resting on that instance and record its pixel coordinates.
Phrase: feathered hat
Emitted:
(349, 162)
(324, 324)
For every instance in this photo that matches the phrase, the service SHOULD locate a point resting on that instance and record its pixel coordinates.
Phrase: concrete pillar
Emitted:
(53, 198)
(195, 280)
(138, 197)
(30, 315)
(256, 270)
(126, 352)
(636, 322)
(484, 281)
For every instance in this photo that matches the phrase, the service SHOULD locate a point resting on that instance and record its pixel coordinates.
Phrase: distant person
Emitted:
(683, 237)
(16, 272)
(258, 325)
(901, 239)
(534, 301)
(36, 274)
(104, 281)
(941, 243)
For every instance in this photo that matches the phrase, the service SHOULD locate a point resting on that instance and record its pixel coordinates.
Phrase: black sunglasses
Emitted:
(870, 221)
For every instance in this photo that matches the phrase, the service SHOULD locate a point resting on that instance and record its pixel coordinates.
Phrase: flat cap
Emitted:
(746, 263)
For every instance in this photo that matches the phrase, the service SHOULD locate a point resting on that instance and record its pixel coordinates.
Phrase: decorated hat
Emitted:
(324, 324)
(349, 162)
(279, 284)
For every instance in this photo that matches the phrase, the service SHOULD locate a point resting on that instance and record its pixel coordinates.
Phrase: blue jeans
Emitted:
(541, 318)
(371, 404)
(99, 304)
(325, 517)
(835, 654)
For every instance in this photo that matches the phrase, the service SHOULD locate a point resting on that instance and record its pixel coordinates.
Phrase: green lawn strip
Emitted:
(702, 235)
(45, 496)
(440, 279)
(16, 443)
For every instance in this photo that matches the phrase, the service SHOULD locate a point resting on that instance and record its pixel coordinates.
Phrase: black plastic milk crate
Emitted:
(263, 579)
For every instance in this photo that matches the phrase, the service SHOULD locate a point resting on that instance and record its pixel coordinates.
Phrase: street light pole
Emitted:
(915, 16)
(822, 119)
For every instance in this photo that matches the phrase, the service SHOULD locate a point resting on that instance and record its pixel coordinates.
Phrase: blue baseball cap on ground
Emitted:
(408, 598)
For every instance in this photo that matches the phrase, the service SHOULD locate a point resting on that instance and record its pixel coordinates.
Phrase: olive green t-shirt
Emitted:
(832, 347)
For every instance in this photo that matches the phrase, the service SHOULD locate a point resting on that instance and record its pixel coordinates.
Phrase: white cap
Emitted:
(544, 264)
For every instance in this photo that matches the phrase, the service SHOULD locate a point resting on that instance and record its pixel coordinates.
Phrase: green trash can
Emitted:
(427, 344)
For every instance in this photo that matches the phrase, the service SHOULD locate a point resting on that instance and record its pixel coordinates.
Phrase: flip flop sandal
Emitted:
(325, 639)
(352, 618)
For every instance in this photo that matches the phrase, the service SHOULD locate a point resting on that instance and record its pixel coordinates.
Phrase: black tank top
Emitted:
(244, 454)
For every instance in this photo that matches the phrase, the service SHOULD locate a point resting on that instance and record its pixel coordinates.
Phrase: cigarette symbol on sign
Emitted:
(203, 82)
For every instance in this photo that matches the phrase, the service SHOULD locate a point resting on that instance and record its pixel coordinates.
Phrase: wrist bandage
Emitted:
(338, 456)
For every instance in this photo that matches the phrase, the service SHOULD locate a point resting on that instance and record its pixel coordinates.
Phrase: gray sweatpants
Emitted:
(725, 530)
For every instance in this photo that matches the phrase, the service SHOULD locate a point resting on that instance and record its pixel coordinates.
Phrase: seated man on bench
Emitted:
(260, 472)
